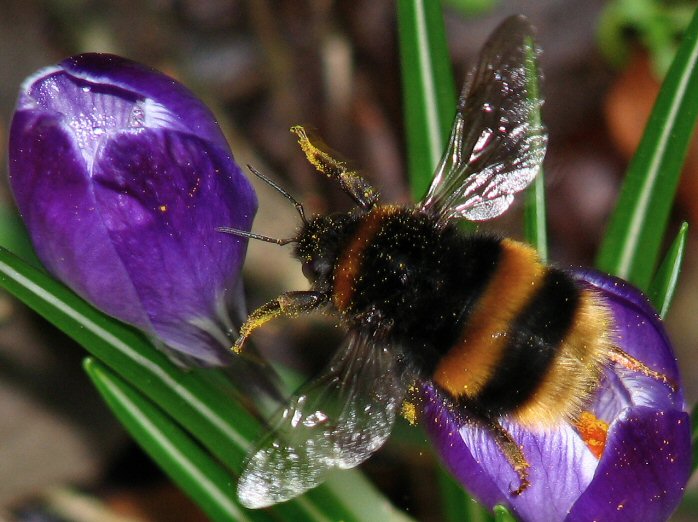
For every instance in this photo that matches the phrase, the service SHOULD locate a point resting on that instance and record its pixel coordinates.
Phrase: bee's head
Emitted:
(319, 243)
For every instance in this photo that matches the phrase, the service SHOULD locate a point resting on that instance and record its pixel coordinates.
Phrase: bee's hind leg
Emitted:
(626, 360)
(511, 451)
(287, 304)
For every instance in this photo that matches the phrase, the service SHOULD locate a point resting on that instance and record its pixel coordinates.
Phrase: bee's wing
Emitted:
(497, 142)
(335, 421)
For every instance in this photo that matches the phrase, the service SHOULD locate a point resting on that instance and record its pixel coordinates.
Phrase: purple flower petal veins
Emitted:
(122, 176)
(645, 465)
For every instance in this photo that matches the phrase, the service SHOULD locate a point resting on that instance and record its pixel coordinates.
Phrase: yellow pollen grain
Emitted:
(162, 208)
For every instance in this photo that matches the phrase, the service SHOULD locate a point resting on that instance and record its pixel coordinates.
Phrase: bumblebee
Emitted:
(499, 333)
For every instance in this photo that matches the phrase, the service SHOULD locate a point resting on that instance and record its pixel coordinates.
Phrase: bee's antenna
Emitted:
(250, 235)
(285, 194)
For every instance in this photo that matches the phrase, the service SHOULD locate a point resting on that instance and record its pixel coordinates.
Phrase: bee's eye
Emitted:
(308, 271)
(316, 269)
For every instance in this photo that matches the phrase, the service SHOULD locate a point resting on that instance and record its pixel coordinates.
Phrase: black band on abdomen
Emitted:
(535, 338)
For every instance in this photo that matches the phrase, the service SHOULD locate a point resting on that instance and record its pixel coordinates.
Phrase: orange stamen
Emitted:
(593, 432)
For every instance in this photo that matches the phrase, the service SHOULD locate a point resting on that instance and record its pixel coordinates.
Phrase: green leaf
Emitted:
(197, 399)
(457, 505)
(428, 91)
(502, 514)
(631, 245)
(219, 421)
(663, 285)
(191, 468)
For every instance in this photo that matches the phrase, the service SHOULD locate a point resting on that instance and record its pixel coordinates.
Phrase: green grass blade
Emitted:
(502, 514)
(457, 505)
(428, 90)
(195, 401)
(535, 228)
(663, 285)
(631, 245)
(192, 469)
(220, 422)
(472, 7)
(351, 486)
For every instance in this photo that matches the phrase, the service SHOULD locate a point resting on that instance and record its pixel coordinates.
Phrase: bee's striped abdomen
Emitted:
(533, 345)
(470, 362)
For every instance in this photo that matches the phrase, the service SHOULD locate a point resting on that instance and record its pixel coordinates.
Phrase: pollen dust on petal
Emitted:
(593, 432)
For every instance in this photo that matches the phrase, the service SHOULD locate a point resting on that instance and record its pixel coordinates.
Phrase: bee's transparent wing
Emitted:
(497, 142)
(335, 421)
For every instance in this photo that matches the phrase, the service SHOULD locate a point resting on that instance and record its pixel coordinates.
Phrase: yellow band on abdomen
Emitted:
(470, 363)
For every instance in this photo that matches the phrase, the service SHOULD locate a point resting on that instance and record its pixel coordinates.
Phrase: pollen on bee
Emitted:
(409, 412)
(593, 432)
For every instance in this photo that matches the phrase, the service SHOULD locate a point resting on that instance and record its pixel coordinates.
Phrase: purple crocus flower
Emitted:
(644, 461)
(122, 176)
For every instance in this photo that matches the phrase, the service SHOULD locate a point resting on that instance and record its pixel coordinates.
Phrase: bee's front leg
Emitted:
(288, 304)
(350, 181)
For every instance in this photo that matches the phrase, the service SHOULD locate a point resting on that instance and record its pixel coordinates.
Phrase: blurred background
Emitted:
(263, 66)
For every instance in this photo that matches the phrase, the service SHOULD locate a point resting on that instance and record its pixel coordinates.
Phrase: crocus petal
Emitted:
(180, 109)
(561, 466)
(55, 198)
(161, 195)
(122, 177)
(646, 461)
(644, 469)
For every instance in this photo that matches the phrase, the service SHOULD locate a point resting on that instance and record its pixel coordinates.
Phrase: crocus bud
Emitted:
(628, 459)
(122, 175)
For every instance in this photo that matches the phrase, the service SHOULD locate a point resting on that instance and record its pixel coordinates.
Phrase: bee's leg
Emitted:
(288, 304)
(511, 451)
(350, 181)
(626, 360)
